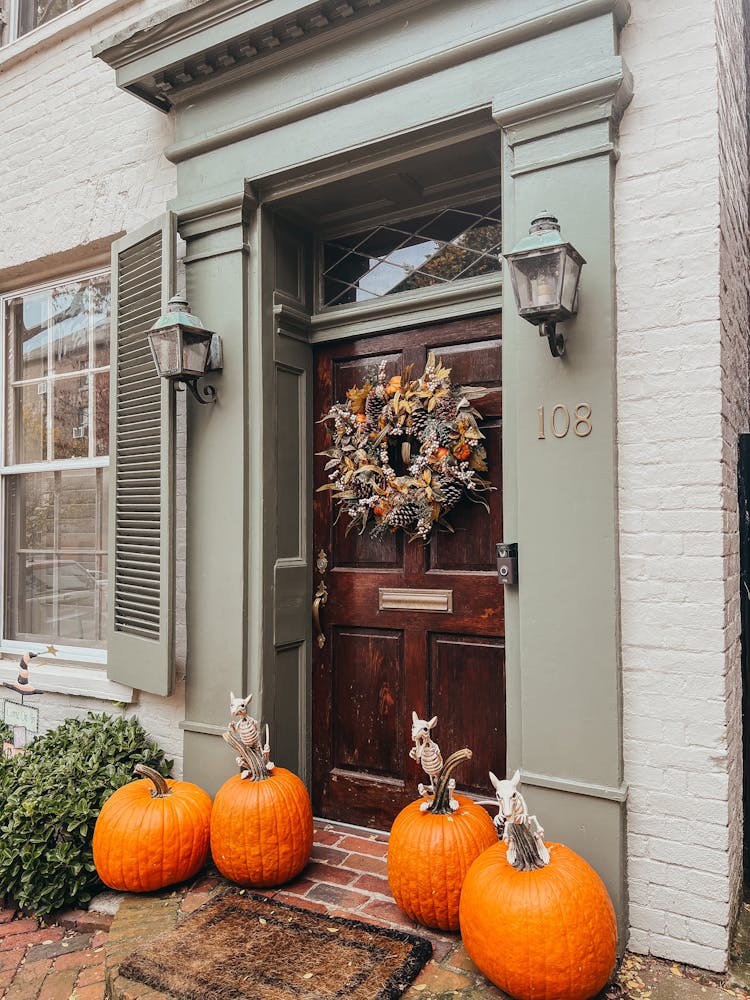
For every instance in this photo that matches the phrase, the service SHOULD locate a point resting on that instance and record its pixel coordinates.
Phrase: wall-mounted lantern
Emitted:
(545, 272)
(184, 350)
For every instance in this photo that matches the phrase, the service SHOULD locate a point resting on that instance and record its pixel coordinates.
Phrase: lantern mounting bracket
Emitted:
(556, 340)
(203, 393)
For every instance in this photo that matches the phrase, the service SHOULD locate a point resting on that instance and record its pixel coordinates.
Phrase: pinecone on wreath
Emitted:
(403, 516)
(451, 494)
(446, 409)
(373, 408)
(445, 436)
(418, 422)
(361, 487)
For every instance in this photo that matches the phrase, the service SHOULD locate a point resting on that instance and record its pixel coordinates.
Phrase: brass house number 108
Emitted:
(561, 420)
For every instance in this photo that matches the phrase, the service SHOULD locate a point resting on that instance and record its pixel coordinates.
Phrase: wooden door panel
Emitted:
(471, 546)
(356, 551)
(464, 663)
(367, 677)
(375, 665)
(479, 363)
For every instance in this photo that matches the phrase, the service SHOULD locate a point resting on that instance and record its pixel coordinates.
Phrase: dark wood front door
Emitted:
(376, 666)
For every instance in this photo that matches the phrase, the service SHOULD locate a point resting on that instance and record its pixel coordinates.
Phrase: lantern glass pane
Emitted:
(166, 350)
(538, 279)
(194, 352)
(570, 283)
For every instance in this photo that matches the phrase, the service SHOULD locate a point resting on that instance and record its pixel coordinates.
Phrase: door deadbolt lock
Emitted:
(507, 562)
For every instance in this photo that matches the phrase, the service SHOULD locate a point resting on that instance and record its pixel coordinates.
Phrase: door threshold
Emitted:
(335, 824)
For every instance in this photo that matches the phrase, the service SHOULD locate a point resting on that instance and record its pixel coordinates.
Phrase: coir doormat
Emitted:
(242, 946)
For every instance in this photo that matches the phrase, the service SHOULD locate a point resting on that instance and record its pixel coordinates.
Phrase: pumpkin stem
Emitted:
(251, 761)
(441, 803)
(161, 788)
(523, 845)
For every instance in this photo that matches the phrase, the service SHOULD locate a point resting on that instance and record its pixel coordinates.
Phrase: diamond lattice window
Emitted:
(433, 249)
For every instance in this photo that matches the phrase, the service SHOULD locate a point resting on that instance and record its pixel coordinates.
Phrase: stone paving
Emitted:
(77, 957)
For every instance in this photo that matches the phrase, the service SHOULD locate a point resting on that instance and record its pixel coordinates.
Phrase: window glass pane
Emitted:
(69, 327)
(57, 576)
(26, 322)
(100, 304)
(101, 412)
(432, 249)
(69, 323)
(37, 523)
(30, 423)
(71, 417)
(34, 13)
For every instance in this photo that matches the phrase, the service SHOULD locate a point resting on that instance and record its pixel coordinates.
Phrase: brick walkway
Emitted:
(78, 957)
(58, 962)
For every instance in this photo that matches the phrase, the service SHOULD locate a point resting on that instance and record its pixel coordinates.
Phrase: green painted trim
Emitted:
(356, 89)
(611, 80)
(470, 297)
(202, 727)
(390, 150)
(607, 149)
(614, 794)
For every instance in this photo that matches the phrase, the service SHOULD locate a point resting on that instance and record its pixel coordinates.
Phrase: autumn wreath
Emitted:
(430, 425)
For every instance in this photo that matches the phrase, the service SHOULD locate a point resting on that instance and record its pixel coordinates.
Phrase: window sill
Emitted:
(66, 678)
(57, 30)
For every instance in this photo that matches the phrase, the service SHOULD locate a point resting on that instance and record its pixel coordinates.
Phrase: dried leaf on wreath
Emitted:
(406, 452)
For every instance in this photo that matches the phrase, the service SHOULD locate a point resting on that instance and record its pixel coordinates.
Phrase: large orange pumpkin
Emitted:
(262, 830)
(152, 833)
(431, 850)
(547, 934)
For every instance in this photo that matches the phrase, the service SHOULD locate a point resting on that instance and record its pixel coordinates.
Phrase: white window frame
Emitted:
(75, 654)
(11, 14)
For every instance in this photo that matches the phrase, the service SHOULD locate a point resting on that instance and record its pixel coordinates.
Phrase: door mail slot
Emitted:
(410, 599)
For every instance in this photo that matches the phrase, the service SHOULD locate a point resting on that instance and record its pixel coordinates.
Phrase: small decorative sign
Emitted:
(21, 715)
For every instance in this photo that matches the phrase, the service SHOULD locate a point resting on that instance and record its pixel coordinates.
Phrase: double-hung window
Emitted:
(54, 463)
(19, 17)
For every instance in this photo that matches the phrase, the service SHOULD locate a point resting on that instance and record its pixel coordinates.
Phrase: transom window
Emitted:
(54, 461)
(22, 16)
(430, 249)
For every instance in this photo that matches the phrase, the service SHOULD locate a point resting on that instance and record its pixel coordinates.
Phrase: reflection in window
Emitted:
(22, 16)
(58, 573)
(58, 372)
(55, 476)
(433, 249)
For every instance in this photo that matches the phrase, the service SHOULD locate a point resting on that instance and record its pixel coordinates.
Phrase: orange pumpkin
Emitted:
(547, 934)
(462, 452)
(152, 833)
(262, 830)
(430, 852)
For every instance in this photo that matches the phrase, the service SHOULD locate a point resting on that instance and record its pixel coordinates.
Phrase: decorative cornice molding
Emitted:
(260, 45)
(237, 38)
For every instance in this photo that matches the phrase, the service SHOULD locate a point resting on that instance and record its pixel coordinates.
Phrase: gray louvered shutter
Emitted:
(140, 650)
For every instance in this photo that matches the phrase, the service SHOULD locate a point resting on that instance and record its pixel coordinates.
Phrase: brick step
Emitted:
(346, 877)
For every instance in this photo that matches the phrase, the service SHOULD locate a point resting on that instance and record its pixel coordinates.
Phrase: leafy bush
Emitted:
(6, 733)
(49, 800)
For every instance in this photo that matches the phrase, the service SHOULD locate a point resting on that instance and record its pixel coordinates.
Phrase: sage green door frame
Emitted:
(551, 77)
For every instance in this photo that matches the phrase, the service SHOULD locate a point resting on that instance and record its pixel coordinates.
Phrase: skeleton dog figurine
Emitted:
(427, 753)
(244, 736)
(522, 833)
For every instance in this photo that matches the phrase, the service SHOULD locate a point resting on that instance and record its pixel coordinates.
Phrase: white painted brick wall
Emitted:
(682, 264)
(80, 162)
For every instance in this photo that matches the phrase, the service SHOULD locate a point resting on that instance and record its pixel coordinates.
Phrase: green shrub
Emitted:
(6, 733)
(49, 800)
